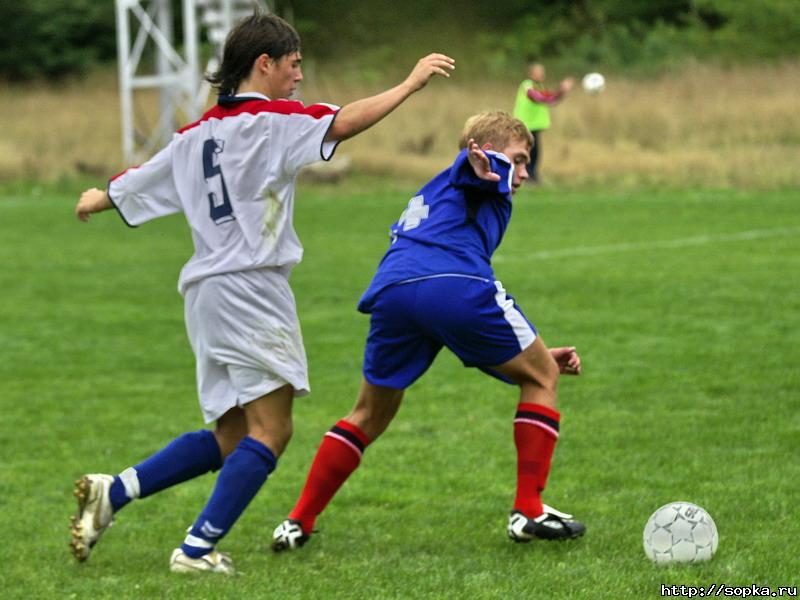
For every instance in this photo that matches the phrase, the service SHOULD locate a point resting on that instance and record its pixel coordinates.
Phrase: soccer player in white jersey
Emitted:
(435, 287)
(232, 174)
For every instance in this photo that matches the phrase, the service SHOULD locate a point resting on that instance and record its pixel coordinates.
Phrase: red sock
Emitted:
(535, 435)
(337, 457)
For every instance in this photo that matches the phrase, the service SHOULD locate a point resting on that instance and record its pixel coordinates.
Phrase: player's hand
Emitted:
(91, 201)
(569, 363)
(566, 85)
(480, 162)
(427, 67)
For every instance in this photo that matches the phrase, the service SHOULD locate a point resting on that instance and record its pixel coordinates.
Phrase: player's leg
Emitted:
(375, 408)
(536, 373)
(396, 354)
(230, 429)
(337, 457)
(536, 431)
(189, 455)
(186, 457)
(269, 428)
(486, 328)
(536, 423)
(535, 153)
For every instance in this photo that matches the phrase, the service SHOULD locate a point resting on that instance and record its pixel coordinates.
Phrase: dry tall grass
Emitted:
(703, 127)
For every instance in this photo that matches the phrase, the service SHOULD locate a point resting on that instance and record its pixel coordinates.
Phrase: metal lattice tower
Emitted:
(144, 30)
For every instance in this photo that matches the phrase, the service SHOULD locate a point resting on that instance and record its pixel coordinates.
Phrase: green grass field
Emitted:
(685, 307)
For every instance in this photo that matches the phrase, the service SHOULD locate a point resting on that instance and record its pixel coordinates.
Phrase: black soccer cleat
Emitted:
(550, 525)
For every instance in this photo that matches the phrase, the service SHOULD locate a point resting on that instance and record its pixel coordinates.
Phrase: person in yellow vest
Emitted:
(532, 107)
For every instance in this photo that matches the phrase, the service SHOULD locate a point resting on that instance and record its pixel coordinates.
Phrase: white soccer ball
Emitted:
(680, 532)
(289, 533)
(593, 83)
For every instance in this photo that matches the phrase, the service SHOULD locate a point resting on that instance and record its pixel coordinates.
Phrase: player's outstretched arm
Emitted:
(480, 162)
(569, 363)
(92, 201)
(357, 116)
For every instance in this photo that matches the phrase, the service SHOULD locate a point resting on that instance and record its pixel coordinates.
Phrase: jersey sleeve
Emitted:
(146, 192)
(303, 135)
(543, 96)
(463, 175)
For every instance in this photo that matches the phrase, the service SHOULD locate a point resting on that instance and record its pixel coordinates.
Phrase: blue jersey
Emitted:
(451, 227)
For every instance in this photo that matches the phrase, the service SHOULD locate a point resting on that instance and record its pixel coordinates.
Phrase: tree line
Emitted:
(57, 38)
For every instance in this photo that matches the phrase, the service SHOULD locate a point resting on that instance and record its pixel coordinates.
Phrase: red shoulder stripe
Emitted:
(257, 106)
(121, 173)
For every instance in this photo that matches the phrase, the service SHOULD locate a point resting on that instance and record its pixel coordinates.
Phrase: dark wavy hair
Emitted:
(256, 35)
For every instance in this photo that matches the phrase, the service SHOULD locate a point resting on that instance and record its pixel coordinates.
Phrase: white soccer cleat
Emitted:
(94, 514)
(213, 562)
(289, 535)
(552, 524)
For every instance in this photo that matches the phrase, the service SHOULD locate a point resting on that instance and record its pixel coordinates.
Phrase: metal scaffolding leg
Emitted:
(149, 59)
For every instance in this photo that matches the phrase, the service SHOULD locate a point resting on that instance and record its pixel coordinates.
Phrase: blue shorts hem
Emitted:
(389, 382)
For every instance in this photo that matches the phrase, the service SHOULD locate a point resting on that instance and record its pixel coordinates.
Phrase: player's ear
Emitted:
(487, 146)
(262, 63)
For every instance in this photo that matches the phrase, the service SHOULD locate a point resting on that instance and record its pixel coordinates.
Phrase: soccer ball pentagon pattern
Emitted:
(680, 532)
(593, 83)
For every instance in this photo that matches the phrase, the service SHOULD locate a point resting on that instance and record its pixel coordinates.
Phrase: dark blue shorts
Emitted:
(411, 321)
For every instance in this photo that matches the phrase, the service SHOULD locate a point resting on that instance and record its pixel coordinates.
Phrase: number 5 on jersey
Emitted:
(221, 209)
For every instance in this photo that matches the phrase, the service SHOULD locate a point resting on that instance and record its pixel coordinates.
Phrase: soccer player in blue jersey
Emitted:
(435, 287)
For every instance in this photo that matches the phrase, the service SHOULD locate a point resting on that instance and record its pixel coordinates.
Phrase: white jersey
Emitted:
(232, 173)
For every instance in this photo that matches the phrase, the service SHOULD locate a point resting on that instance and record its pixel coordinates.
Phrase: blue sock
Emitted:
(184, 458)
(242, 475)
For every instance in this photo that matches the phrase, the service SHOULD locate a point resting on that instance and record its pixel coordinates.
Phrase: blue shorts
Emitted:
(411, 321)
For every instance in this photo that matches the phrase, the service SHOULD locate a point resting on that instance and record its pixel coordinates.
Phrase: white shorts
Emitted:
(245, 334)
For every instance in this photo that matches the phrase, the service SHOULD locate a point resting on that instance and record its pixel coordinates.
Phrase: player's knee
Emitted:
(283, 436)
(372, 417)
(550, 380)
(371, 422)
(274, 435)
(228, 436)
(547, 383)
(375, 409)
(552, 375)
(544, 374)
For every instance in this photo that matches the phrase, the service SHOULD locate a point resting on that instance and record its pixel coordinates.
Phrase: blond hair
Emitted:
(496, 127)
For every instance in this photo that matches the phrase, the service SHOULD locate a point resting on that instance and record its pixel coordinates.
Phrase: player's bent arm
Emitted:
(362, 114)
(92, 201)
